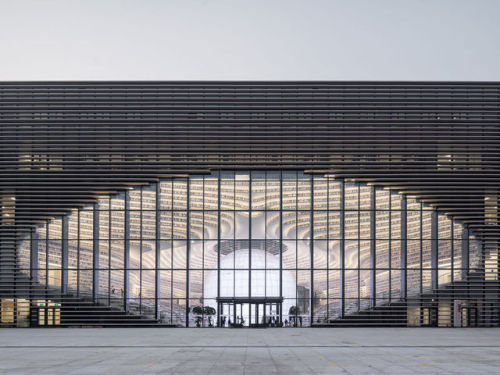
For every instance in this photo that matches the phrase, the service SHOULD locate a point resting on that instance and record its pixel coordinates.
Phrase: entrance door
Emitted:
(234, 314)
(249, 312)
(226, 314)
(258, 315)
(268, 314)
(429, 316)
(469, 316)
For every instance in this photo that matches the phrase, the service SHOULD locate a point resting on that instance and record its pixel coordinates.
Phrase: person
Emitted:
(286, 322)
(300, 320)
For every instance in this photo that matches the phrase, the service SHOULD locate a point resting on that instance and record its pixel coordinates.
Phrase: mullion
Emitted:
(359, 247)
(140, 250)
(109, 249)
(281, 246)
(188, 249)
(328, 248)
(172, 250)
(46, 260)
(296, 248)
(389, 260)
(311, 248)
(78, 259)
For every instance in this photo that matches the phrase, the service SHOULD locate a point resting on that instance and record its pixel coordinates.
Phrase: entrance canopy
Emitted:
(250, 299)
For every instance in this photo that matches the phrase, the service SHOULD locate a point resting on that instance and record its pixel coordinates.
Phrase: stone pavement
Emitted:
(250, 351)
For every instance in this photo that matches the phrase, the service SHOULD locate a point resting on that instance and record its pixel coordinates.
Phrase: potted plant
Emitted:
(198, 310)
(293, 313)
(209, 311)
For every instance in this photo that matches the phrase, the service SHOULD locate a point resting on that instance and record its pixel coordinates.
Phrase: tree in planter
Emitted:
(293, 313)
(198, 310)
(294, 310)
(209, 311)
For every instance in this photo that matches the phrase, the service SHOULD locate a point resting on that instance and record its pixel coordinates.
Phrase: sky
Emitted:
(397, 40)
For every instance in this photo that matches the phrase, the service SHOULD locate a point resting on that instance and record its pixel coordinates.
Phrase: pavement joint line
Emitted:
(241, 346)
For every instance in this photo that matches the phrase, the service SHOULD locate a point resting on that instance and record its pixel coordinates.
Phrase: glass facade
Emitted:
(250, 248)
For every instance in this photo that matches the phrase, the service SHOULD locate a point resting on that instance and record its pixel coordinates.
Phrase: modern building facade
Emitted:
(246, 204)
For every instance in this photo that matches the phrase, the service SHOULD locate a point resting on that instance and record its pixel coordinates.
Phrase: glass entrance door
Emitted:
(234, 314)
(268, 314)
(257, 314)
(248, 313)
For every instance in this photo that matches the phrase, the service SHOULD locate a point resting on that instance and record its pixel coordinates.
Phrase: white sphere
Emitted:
(236, 283)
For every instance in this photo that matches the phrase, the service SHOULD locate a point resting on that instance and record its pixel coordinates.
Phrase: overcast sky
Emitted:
(250, 40)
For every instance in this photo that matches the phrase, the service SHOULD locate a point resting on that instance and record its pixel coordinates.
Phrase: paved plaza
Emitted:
(249, 351)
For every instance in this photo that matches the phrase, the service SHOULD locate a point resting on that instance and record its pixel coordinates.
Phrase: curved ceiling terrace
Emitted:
(63, 144)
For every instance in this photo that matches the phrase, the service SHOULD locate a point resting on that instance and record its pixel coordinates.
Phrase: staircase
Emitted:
(81, 312)
(390, 315)
(481, 297)
(71, 310)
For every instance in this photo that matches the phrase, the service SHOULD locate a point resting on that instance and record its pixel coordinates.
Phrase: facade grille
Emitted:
(64, 145)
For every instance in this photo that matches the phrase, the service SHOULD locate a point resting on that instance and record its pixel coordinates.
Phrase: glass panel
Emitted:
(289, 254)
(240, 241)
(273, 190)
(227, 224)
(303, 192)
(165, 254)
(196, 255)
(303, 254)
(196, 193)
(258, 225)
(227, 196)
(273, 225)
(351, 254)
(289, 190)
(351, 196)
(289, 225)
(320, 254)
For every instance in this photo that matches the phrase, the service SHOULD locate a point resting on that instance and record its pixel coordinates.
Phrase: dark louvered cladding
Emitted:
(63, 144)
